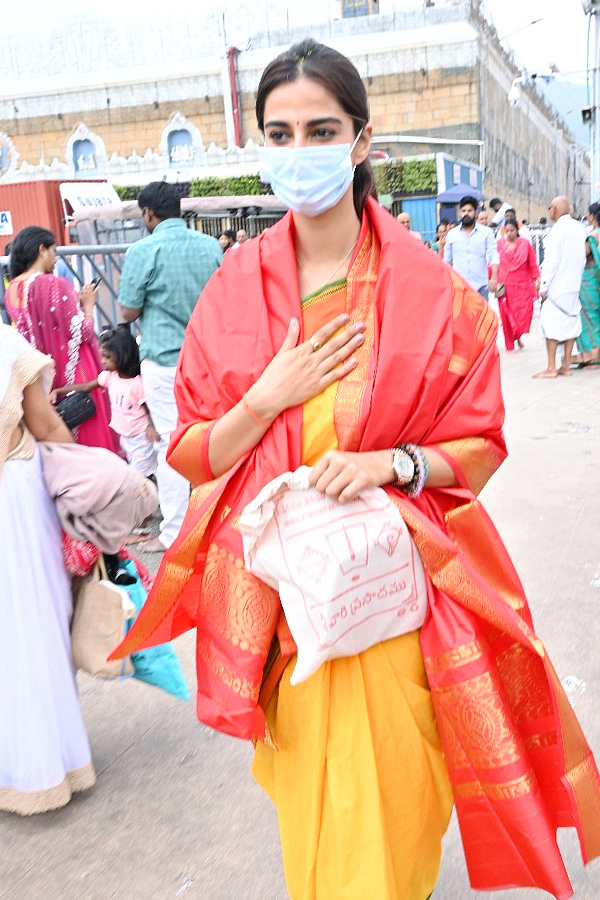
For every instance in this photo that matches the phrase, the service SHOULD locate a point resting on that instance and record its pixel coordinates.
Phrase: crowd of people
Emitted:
(52, 352)
(334, 340)
(494, 252)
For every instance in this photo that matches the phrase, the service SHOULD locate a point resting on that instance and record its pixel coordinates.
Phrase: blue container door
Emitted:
(422, 212)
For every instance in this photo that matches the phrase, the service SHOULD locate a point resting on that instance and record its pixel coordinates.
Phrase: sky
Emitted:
(560, 38)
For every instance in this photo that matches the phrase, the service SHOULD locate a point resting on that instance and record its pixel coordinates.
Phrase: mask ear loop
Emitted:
(354, 145)
(356, 139)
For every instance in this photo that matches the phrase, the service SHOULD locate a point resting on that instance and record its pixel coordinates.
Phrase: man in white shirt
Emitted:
(471, 249)
(500, 209)
(564, 261)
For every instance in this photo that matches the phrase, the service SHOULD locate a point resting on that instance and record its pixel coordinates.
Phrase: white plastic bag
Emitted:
(349, 576)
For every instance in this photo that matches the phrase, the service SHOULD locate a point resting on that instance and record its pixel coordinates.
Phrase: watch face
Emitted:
(404, 467)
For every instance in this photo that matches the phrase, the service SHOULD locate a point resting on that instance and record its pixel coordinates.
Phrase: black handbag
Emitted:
(76, 408)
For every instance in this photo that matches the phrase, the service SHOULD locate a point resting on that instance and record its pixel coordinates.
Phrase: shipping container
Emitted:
(30, 203)
(25, 203)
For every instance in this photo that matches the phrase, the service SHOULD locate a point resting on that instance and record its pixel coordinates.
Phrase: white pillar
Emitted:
(227, 101)
(226, 78)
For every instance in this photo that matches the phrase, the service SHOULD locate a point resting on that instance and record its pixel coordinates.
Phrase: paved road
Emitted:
(175, 813)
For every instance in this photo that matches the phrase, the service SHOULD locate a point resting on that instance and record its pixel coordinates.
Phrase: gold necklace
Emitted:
(329, 277)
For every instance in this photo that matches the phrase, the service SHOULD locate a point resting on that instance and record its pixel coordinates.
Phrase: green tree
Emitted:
(403, 177)
(420, 176)
(241, 185)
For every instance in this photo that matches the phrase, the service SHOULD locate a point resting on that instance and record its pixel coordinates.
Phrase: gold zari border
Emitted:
(507, 790)
(236, 603)
(475, 457)
(360, 292)
(453, 659)
(244, 687)
(174, 573)
(469, 303)
(473, 717)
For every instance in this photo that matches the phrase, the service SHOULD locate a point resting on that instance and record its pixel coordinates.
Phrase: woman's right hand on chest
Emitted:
(299, 372)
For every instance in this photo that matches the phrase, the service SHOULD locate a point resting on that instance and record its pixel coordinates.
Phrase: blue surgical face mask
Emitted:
(310, 180)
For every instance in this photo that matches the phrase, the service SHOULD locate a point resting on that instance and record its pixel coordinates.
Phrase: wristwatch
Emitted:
(403, 466)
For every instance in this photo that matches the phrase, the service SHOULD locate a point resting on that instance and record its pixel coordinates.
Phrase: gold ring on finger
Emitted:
(314, 344)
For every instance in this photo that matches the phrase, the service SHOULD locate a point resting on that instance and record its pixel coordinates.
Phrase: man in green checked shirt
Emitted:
(163, 276)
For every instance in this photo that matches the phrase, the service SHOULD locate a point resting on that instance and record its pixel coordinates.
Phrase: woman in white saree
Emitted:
(44, 750)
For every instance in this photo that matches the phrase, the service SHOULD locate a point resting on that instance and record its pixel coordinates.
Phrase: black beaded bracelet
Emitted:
(417, 483)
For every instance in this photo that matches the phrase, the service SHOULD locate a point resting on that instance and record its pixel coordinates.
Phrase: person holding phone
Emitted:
(58, 321)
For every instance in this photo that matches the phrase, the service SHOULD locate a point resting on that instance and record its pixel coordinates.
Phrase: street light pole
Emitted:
(528, 158)
(592, 9)
(556, 179)
(595, 142)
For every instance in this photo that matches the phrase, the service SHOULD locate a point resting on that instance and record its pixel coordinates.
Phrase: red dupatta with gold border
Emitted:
(428, 372)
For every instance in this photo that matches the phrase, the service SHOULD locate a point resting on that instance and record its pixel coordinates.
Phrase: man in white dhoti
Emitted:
(564, 261)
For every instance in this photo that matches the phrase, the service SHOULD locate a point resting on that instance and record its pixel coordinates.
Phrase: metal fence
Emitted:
(107, 232)
(84, 264)
(215, 225)
(104, 259)
(104, 262)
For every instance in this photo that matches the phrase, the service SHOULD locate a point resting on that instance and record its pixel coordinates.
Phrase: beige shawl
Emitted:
(20, 365)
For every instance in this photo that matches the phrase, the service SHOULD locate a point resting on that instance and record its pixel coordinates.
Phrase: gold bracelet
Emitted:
(252, 414)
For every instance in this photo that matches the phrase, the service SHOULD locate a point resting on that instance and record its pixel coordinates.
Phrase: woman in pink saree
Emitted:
(519, 273)
(56, 321)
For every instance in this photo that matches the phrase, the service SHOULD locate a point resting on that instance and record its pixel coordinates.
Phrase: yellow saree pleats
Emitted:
(358, 779)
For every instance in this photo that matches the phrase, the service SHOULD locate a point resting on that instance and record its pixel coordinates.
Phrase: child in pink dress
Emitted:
(130, 417)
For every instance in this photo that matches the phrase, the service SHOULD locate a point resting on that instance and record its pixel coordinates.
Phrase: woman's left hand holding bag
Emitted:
(342, 474)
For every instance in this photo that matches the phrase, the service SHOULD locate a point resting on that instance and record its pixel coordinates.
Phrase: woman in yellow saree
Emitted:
(388, 348)
(324, 727)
